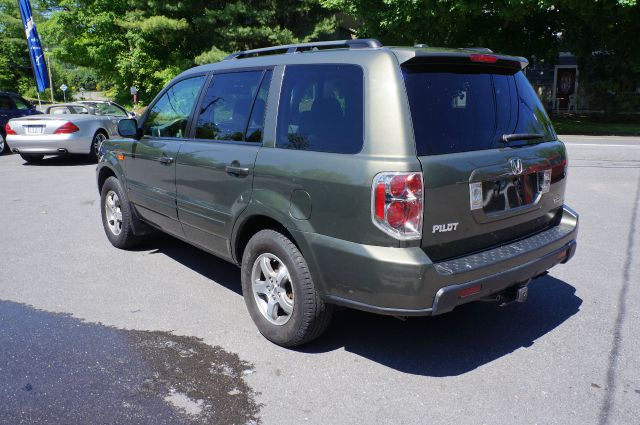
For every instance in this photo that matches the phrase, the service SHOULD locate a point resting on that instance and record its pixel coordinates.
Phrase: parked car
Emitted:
(400, 181)
(69, 128)
(12, 106)
(103, 104)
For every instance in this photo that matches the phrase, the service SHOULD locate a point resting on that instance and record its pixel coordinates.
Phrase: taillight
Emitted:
(559, 172)
(67, 128)
(9, 130)
(483, 58)
(397, 204)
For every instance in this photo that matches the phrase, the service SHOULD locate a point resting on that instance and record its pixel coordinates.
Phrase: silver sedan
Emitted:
(74, 128)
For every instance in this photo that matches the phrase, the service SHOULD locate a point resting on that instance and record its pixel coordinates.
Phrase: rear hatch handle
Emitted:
(506, 138)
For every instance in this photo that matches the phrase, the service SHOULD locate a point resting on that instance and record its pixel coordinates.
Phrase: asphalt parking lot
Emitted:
(160, 334)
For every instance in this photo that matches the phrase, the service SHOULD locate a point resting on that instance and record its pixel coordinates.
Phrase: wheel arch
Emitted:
(103, 174)
(249, 226)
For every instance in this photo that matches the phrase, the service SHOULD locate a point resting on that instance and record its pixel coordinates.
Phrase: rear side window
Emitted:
(256, 122)
(169, 115)
(225, 110)
(321, 109)
(533, 118)
(59, 110)
(461, 109)
(78, 109)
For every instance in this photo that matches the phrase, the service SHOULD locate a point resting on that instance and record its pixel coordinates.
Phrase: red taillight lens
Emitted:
(381, 190)
(396, 216)
(398, 185)
(398, 205)
(9, 130)
(483, 58)
(414, 183)
(67, 128)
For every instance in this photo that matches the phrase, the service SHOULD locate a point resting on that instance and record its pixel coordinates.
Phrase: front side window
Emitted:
(169, 115)
(321, 109)
(108, 109)
(225, 110)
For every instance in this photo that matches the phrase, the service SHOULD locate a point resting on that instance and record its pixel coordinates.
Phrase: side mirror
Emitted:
(128, 128)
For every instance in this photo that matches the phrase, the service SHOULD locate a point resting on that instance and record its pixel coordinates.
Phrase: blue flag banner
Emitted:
(35, 49)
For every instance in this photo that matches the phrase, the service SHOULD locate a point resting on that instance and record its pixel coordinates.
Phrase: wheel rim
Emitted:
(113, 212)
(97, 143)
(272, 289)
(1, 144)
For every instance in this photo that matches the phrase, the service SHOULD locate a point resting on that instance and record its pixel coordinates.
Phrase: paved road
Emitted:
(92, 334)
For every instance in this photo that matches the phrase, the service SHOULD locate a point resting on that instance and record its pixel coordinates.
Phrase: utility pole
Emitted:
(50, 77)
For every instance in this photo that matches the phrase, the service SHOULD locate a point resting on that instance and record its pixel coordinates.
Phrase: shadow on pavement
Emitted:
(447, 345)
(222, 272)
(457, 342)
(59, 161)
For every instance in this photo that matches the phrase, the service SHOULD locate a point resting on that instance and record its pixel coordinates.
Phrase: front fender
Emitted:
(109, 164)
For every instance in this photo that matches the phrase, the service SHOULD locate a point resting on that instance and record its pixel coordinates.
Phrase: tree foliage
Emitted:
(120, 43)
(147, 42)
(15, 65)
(591, 29)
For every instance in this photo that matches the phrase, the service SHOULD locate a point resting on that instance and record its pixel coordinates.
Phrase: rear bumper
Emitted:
(52, 144)
(405, 282)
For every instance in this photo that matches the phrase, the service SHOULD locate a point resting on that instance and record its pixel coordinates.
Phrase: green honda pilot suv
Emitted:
(401, 181)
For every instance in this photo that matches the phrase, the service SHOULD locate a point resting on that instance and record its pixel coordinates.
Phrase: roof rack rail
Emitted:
(358, 43)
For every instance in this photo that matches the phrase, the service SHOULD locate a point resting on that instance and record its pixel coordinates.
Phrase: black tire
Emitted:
(29, 158)
(310, 316)
(125, 238)
(98, 138)
(4, 146)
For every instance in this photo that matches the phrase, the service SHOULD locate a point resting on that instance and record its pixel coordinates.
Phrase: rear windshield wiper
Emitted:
(506, 138)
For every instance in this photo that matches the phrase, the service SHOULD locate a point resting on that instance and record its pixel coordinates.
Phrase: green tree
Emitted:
(147, 42)
(600, 32)
(15, 66)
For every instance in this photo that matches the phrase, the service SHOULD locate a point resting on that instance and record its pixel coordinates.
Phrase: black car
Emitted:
(12, 106)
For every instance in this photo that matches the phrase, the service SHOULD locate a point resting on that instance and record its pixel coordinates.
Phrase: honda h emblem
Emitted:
(516, 166)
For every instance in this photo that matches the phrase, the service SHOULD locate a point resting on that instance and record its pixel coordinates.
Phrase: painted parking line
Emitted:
(601, 145)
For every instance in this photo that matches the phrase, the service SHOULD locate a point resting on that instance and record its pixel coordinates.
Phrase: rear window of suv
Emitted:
(464, 108)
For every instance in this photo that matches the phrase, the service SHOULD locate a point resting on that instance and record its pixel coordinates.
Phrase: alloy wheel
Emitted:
(113, 212)
(272, 289)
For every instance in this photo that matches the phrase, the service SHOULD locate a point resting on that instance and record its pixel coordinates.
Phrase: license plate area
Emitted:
(510, 192)
(34, 129)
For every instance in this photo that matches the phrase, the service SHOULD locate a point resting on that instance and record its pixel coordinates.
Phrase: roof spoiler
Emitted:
(473, 56)
(358, 43)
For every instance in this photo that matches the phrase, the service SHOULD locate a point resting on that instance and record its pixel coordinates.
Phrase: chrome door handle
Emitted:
(166, 160)
(238, 171)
